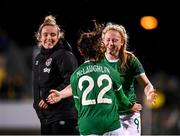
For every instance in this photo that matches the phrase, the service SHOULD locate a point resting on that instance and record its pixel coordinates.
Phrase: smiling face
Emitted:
(113, 43)
(49, 36)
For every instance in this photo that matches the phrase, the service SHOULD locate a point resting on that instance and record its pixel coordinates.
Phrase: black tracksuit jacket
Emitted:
(52, 69)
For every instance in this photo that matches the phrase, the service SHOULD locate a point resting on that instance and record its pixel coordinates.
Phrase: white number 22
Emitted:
(90, 87)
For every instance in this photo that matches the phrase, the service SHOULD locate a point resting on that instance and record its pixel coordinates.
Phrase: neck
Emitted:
(111, 57)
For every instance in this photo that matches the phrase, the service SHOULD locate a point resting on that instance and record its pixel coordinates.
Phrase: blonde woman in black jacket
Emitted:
(52, 69)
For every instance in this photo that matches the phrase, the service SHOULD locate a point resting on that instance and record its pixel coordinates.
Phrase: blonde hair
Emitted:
(48, 21)
(123, 53)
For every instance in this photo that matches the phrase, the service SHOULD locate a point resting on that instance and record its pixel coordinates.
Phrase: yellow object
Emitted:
(160, 100)
(149, 22)
(2, 75)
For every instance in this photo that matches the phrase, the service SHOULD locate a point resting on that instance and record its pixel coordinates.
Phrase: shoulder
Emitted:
(63, 53)
(108, 67)
(79, 69)
(131, 58)
(37, 57)
(74, 74)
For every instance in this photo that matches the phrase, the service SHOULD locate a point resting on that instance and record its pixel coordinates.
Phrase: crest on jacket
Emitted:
(48, 62)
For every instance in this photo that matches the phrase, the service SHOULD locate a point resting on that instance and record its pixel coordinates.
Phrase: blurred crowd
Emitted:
(15, 70)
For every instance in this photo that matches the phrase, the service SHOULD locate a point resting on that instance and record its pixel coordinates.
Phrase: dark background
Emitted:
(157, 48)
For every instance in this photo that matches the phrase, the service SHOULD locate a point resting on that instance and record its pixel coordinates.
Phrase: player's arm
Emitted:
(56, 96)
(134, 107)
(122, 98)
(149, 90)
(143, 80)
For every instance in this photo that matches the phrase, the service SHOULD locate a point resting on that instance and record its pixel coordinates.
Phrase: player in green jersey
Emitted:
(95, 87)
(115, 40)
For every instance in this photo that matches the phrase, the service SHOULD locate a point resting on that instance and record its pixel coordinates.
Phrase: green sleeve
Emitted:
(74, 91)
(122, 98)
(136, 66)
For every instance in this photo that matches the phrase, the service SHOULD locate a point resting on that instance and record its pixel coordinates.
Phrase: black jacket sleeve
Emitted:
(36, 94)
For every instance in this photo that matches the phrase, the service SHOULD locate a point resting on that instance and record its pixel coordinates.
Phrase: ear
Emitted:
(38, 36)
(60, 34)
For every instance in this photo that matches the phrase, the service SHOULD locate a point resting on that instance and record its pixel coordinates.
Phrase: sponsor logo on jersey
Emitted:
(47, 70)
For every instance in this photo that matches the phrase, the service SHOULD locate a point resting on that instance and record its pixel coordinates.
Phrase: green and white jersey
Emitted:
(133, 68)
(93, 85)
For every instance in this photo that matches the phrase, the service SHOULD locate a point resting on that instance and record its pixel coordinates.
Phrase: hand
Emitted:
(54, 96)
(43, 105)
(136, 107)
(151, 97)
